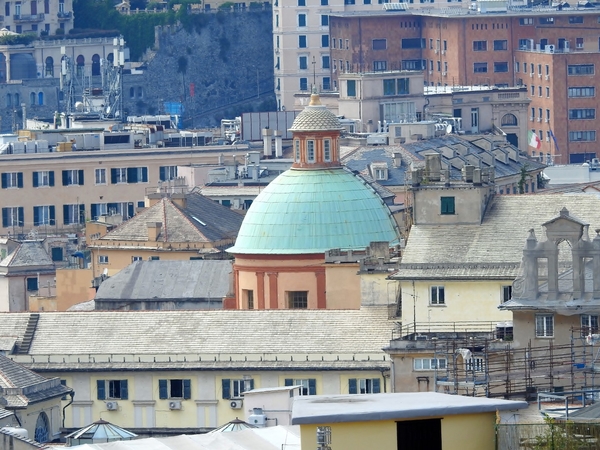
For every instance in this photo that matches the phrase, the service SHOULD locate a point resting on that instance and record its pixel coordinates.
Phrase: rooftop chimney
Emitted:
(154, 229)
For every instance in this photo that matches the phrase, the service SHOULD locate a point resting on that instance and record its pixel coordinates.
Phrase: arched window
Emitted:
(80, 65)
(49, 66)
(42, 428)
(40, 98)
(95, 65)
(509, 120)
(32, 99)
(17, 100)
(8, 100)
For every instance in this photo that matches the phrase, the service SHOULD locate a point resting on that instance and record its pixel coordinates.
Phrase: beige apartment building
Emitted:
(52, 192)
(35, 16)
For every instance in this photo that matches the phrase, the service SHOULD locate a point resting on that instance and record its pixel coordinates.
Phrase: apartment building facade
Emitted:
(51, 192)
(36, 16)
(552, 52)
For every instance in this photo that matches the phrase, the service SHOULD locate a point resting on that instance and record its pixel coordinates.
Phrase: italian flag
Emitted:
(534, 140)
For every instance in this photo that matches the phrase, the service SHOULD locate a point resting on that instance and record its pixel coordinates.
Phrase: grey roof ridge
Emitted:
(24, 439)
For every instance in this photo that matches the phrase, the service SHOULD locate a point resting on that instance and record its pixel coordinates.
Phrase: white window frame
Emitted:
(426, 364)
(72, 177)
(434, 295)
(12, 216)
(43, 178)
(544, 325)
(12, 180)
(121, 176)
(100, 176)
(589, 324)
(475, 364)
(304, 383)
(136, 258)
(504, 291)
(238, 387)
(365, 385)
(43, 214)
(74, 214)
(327, 150)
(102, 259)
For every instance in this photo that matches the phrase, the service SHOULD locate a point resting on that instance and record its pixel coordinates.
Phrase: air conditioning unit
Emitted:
(112, 406)
(444, 74)
(550, 48)
(277, 51)
(235, 404)
(175, 405)
(531, 74)
(443, 52)
(547, 77)
(436, 51)
(430, 72)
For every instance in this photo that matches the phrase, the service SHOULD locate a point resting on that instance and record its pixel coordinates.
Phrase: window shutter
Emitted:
(20, 179)
(312, 386)
(187, 389)
(21, 215)
(124, 390)
(226, 385)
(94, 211)
(162, 389)
(132, 175)
(145, 174)
(248, 385)
(36, 216)
(352, 389)
(113, 176)
(289, 382)
(130, 209)
(5, 217)
(101, 385)
(4, 181)
(52, 211)
(51, 178)
(81, 218)
(35, 179)
(161, 174)
(80, 178)
(65, 178)
(376, 385)
(66, 219)
(112, 206)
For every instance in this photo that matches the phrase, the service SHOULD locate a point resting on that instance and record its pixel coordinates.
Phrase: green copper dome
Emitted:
(311, 211)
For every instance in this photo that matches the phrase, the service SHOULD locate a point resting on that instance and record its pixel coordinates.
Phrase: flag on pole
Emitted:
(556, 149)
(534, 140)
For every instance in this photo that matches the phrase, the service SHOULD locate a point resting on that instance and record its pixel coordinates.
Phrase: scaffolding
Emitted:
(482, 366)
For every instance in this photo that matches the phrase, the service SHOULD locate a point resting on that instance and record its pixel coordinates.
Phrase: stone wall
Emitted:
(230, 63)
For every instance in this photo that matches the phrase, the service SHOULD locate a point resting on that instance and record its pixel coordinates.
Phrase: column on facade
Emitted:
(321, 289)
(273, 297)
(260, 289)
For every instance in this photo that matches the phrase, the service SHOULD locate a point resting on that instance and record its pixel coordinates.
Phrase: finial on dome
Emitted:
(315, 100)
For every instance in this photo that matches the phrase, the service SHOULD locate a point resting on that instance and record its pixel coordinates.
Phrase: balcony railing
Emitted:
(64, 15)
(28, 17)
(452, 330)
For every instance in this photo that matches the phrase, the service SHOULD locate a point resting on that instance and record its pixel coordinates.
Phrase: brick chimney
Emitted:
(154, 229)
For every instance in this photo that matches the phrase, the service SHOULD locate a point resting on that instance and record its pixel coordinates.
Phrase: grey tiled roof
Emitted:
(316, 118)
(214, 332)
(169, 280)
(202, 220)
(498, 242)
(28, 253)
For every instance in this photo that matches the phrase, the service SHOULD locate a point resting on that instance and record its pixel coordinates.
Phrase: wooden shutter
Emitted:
(94, 211)
(124, 390)
(80, 176)
(51, 178)
(163, 391)
(132, 175)
(5, 217)
(187, 389)
(66, 218)
(4, 181)
(35, 179)
(312, 386)
(101, 388)
(226, 386)
(162, 174)
(144, 174)
(352, 386)
(376, 385)
(21, 215)
(81, 218)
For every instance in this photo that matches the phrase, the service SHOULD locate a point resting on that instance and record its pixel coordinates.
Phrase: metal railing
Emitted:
(423, 330)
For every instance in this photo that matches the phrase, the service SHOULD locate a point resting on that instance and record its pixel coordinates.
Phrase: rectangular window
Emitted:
(582, 136)
(403, 86)
(479, 46)
(475, 364)
(303, 62)
(480, 67)
(438, 295)
(43, 179)
(587, 113)
(500, 67)
(72, 177)
(589, 324)
(413, 43)
(500, 45)
(136, 258)
(297, 299)
(13, 217)
(327, 150)
(324, 20)
(325, 61)
(167, 173)
(301, 2)
(412, 64)
(32, 284)
(429, 363)
(304, 84)
(308, 386)
(575, 19)
(179, 389)
(112, 389)
(506, 293)
(100, 176)
(364, 386)
(544, 325)
(44, 215)
(579, 43)
(351, 88)
(379, 44)
(575, 92)
(102, 259)
(310, 150)
(324, 2)
(302, 41)
(546, 20)
(73, 214)
(12, 180)
(236, 388)
(325, 40)
(98, 209)
(379, 66)
(526, 21)
(301, 20)
(447, 205)
(389, 87)
(297, 150)
(248, 295)
(580, 69)
(129, 175)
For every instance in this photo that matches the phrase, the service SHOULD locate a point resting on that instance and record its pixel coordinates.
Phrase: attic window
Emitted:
(199, 221)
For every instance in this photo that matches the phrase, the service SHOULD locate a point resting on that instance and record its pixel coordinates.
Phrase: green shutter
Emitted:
(187, 389)
(101, 387)
(376, 385)
(288, 382)
(226, 386)
(162, 389)
(20, 179)
(36, 216)
(35, 179)
(352, 386)
(51, 178)
(52, 215)
(80, 176)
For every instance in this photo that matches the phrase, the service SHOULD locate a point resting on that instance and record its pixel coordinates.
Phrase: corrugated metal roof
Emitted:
(311, 211)
(168, 280)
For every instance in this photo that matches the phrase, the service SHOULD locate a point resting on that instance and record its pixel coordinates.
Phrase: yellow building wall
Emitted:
(459, 432)
(53, 410)
(464, 301)
(342, 286)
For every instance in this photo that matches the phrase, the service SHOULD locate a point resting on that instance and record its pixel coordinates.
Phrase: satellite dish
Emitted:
(105, 271)
(449, 129)
(79, 106)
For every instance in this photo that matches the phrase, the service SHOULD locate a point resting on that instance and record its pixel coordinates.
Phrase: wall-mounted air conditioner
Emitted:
(174, 405)
(235, 404)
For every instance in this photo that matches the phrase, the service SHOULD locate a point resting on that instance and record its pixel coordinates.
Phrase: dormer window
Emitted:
(327, 150)
(297, 150)
(310, 151)
(379, 171)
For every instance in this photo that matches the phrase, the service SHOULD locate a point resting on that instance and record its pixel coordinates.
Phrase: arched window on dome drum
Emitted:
(297, 150)
(310, 151)
(327, 150)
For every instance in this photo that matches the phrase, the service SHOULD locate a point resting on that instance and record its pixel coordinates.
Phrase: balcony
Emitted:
(28, 18)
(62, 15)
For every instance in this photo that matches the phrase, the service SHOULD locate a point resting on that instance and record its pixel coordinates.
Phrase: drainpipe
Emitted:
(72, 395)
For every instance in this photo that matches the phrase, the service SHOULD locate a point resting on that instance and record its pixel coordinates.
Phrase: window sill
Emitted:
(438, 305)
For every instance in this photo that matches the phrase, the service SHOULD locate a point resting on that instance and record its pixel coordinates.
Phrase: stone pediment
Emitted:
(565, 227)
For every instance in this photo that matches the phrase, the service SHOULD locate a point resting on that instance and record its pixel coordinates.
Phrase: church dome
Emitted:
(312, 211)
